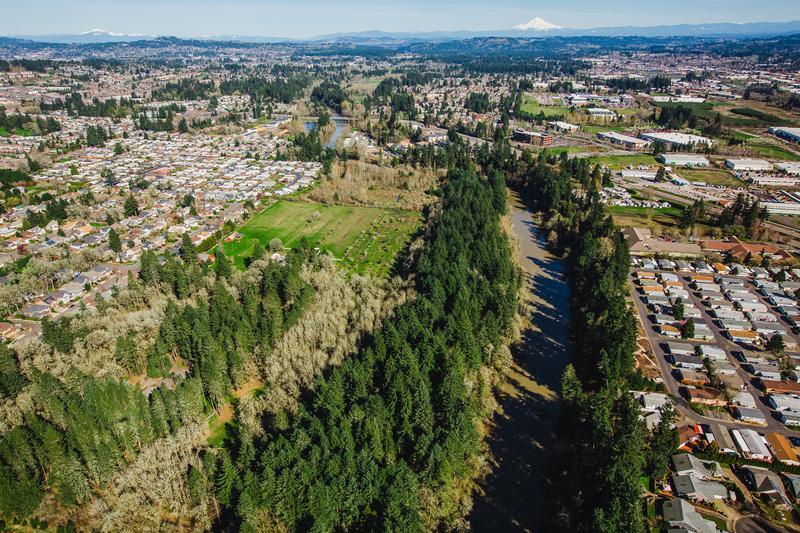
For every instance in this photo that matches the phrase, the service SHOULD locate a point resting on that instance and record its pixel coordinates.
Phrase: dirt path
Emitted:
(522, 439)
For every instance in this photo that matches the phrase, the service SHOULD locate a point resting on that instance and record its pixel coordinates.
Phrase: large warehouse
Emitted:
(790, 134)
(676, 139)
(748, 165)
(683, 160)
(632, 143)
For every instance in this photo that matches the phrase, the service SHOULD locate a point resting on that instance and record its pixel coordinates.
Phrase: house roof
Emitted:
(692, 486)
(684, 463)
(765, 481)
(781, 448)
(682, 515)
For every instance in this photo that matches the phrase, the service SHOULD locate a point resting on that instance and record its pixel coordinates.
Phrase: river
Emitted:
(514, 496)
(338, 125)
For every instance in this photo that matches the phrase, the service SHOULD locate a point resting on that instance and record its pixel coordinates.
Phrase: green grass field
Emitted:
(595, 128)
(772, 151)
(365, 239)
(532, 106)
(21, 132)
(622, 161)
(712, 176)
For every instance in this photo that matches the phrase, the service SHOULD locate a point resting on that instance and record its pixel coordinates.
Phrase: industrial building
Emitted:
(790, 134)
(782, 208)
(748, 165)
(631, 143)
(533, 137)
(773, 181)
(683, 160)
(676, 139)
(560, 125)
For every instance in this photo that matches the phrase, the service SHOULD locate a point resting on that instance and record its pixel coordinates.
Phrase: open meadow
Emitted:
(364, 239)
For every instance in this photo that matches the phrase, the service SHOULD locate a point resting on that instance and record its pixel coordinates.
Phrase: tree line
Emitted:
(81, 430)
(399, 417)
(607, 448)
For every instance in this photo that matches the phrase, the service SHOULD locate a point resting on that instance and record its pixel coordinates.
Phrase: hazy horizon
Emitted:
(185, 18)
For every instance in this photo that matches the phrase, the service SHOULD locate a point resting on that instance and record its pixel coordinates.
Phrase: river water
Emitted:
(514, 496)
(337, 132)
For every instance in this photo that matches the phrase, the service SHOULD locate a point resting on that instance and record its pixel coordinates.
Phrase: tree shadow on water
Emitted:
(515, 494)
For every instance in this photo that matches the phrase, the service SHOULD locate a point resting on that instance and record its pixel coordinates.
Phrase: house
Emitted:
(782, 449)
(706, 396)
(691, 362)
(686, 463)
(37, 311)
(722, 437)
(745, 399)
(793, 482)
(781, 387)
(692, 377)
(789, 418)
(766, 483)
(784, 402)
(745, 336)
(690, 486)
(722, 367)
(679, 348)
(712, 352)
(683, 517)
(10, 332)
(749, 415)
(652, 401)
(752, 445)
(668, 331)
(769, 371)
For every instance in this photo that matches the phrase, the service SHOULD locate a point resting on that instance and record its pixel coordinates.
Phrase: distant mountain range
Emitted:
(536, 27)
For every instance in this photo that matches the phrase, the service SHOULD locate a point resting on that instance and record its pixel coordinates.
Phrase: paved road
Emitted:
(656, 342)
(748, 524)
(522, 439)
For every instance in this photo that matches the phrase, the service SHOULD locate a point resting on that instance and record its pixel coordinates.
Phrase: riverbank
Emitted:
(522, 438)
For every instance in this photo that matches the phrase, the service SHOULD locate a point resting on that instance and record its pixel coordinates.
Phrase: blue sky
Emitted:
(304, 18)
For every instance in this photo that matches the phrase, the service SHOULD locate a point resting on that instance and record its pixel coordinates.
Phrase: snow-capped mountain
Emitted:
(103, 33)
(537, 24)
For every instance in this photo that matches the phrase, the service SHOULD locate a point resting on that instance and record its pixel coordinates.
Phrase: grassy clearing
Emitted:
(532, 106)
(653, 219)
(772, 151)
(712, 176)
(624, 160)
(594, 128)
(365, 239)
(743, 135)
(19, 131)
(757, 114)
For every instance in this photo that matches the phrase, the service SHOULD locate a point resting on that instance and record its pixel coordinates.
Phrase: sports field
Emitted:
(365, 239)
